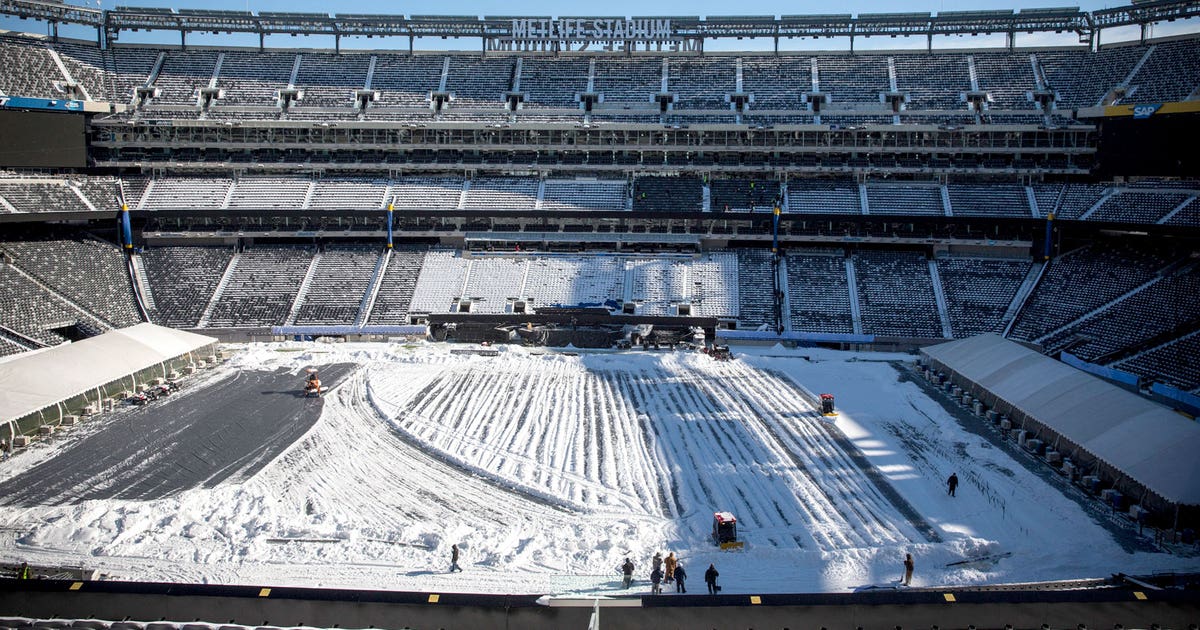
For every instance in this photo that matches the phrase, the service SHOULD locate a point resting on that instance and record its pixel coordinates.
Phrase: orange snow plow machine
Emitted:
(312, 385)
(725, 531)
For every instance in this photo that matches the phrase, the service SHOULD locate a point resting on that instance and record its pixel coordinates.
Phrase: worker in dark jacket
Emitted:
(710, 578)
(627, 571)
(952, 483)
(680, 577)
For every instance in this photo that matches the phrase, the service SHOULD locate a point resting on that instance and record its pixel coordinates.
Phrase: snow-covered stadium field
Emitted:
(548, 468)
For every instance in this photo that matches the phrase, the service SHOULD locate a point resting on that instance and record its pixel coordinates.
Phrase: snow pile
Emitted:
(547, 470)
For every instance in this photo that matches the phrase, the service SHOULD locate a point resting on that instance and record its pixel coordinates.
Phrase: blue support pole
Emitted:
(389, 219)
(1046, 247)
(126, 231)
(775, 230)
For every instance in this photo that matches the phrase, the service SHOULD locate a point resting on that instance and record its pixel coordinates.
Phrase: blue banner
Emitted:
(1177, 398)
(1130, 381)
(24, 102)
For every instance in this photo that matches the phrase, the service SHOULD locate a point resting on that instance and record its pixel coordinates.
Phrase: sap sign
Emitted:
(1145, 111)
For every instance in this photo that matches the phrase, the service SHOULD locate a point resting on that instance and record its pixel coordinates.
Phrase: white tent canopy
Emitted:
(1149, 443)
(38, 380)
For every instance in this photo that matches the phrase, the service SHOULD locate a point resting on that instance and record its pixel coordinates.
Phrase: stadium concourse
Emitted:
(576, 290)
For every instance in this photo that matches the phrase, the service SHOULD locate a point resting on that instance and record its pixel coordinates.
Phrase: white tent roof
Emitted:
(41, 379)
(1148, 442)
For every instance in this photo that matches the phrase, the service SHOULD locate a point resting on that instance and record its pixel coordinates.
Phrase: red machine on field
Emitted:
(725, 531)
(312, 386)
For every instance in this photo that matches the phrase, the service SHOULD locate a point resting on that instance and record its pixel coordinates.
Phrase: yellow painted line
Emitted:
(1139, 595)
(75, 586)
(265, 592)
(434, 597)
(755, 599)
(949, 597)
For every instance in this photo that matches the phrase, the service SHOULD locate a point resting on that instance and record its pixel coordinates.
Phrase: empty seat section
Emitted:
(427, 192)
(440, 284)
(40, 196)
(584, 194)
(477, 82)
(269, 192)
(1170, 74)
(978, 291)
(1000, 200)
(629, 81)
(553, 83)
(777, 83)
(1137, 207)
(1082, 280)
(744, 195)
(502, 192)
(853, 79)
(575, 280)
(895, 294)
(90, 273)
(397, 285)
(713, 285)
(657, 284)
(1081, 78)
(33, 312)
(28, 69)
(406, 80)
(254, 78)
(668, 194)
(349, 193)
(182, 75)
(755, 288)
(1160, 309)
(702, 82)
(330, 80)
(263, 286)
(187, 192)
(823, 197)
(338, 285)
(493, 282)
(918, 199)
(1175, 363)
(818, 292)
(183, 279)
(933, 82)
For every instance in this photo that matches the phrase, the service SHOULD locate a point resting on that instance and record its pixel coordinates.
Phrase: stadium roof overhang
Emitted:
(492, 27)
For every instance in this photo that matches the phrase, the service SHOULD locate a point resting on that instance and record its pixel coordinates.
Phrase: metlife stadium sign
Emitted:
(591, 34)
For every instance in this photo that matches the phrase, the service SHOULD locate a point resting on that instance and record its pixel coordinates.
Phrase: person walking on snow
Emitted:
(680, 577)
(952, 482)
(710, 578)
(454, 559)
(656, 577)
(627, 570)
(908, 568)
(669, 567)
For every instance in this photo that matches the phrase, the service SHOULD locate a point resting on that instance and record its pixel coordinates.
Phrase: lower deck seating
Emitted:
(182, 280)
(1082, 280)
(397, 285)
(338, 284)
(1176, 363)
(818, 292)
(89, 272)
(978, 291)
(263, 286)
(895, 294)
(755, 288)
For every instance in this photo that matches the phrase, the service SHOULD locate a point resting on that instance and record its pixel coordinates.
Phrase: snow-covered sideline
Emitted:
(547, 469)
